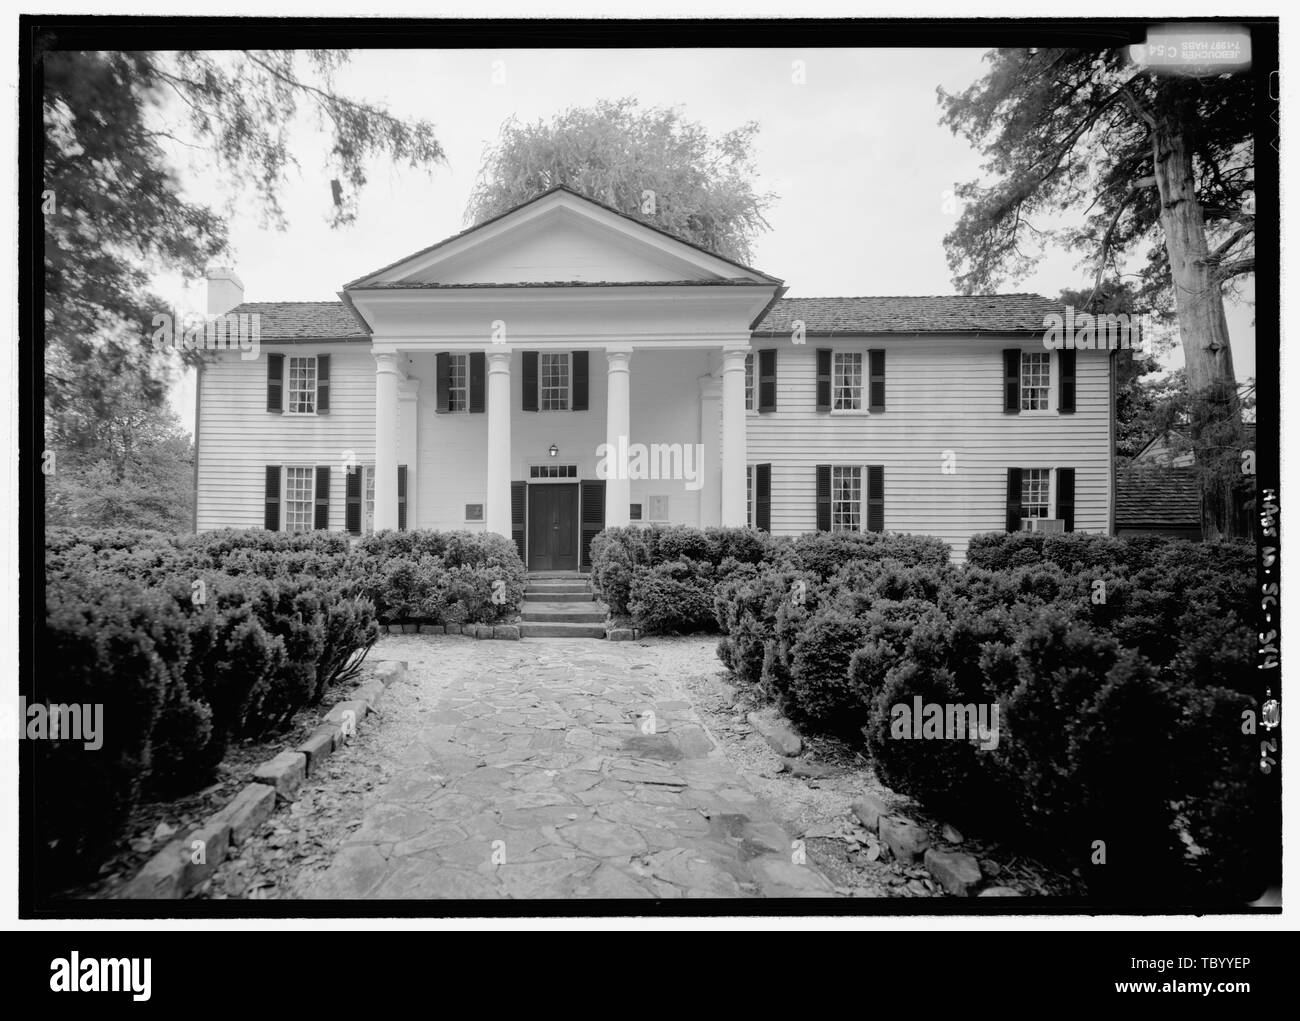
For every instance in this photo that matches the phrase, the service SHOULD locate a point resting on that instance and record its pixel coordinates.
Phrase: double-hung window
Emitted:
(458, 382)
(1035, 380)
(749, 382)
(302, 385)
(846, 381)
(846, 499)
(299, 499)
(1036, 493)
(554, 381)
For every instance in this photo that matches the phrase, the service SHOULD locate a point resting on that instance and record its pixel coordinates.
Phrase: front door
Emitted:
(553, 527)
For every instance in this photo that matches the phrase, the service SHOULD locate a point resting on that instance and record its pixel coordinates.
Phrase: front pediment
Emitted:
(560, 237)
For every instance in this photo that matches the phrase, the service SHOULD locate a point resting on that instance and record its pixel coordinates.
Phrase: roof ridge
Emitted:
(860, 297)
(317, 302)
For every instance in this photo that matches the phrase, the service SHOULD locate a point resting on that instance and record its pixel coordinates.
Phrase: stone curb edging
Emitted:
(501, 632)
(958, 873)
(621, 634)
(172, 872)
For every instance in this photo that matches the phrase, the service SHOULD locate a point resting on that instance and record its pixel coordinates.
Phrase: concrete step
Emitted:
(557, 586)
(541, 629)
(557, 576)
(550, 596)
(572, 613)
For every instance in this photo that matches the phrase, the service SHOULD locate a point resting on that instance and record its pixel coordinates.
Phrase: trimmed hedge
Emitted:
(1119, 704)
(192, 642)
(664, 577)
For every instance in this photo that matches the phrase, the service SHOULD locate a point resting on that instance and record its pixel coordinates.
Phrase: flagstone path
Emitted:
(555, 768)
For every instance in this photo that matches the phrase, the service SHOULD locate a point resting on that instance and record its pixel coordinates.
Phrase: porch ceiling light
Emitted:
(554, 451)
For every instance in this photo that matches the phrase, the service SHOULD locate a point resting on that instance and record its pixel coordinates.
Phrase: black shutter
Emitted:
(1065, 495)
(518, 503)
(530, 380)
(1013, 499)
(823, 379)
(580, 386)
(1011, 380)
(401, 497)
(272, 520)
(875, 498)
(593, 517)
(877, 395)
(322, 497)
(1066, 405)
(322, 384)
(443, 375)
(767, 380)
(763, 497)
(823, 497)
(477, 381)
(352, 500)
(275, 383)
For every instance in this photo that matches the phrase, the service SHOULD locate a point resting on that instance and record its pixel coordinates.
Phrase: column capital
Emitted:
(498, 360)
(386, 361)
(733, 358)
(619, 357)
(408, 388)
(710, 386)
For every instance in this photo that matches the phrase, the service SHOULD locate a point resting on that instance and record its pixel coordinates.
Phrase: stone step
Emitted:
(557, 576)
(550, 596)
(541, 629)
(557, 586)
(573, 613)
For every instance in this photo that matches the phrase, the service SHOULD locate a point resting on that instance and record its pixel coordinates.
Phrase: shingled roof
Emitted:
(943, 313)
(987, 313)
(1157, 497)
(305, 320)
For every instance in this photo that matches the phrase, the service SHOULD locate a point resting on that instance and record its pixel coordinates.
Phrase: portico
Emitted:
(488, 352)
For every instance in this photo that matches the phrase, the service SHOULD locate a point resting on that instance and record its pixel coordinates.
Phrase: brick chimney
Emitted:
(225, 290)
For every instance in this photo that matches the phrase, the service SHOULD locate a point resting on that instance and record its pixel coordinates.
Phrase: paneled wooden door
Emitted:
(553, 527)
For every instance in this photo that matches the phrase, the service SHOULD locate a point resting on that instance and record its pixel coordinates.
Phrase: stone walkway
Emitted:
(556, 769)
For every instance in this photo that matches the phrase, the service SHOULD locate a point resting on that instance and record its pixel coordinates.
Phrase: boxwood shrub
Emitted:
(192, 642)
(1119, 704)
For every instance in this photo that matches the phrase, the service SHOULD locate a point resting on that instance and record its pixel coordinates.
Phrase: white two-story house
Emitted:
(564, 367)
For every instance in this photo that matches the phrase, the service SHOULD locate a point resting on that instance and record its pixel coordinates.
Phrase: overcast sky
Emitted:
(856, 156)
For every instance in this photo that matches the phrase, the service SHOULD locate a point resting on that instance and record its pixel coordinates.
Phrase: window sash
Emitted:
(458, 382)
(846, 499)
(554, 379)
(1035, 380)
(1036, 493)
(299, 499)
(749, 495)
(302, 385)
(749, 382)
(846, 381)
(368, 505)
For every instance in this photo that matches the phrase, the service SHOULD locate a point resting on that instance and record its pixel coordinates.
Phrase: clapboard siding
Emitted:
(942, 394)
(238, 437)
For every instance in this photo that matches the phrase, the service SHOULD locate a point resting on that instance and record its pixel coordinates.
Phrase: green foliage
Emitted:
(129, 464)
(673, 597)
(98, 647)
(113, 130)
(1115, 718)
(190, 642)
(615, 153)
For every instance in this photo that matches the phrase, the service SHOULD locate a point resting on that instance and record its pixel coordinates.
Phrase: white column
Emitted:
(618, 426)
(710, 432)
(387, 377)
(498, 451)
(734, 450)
